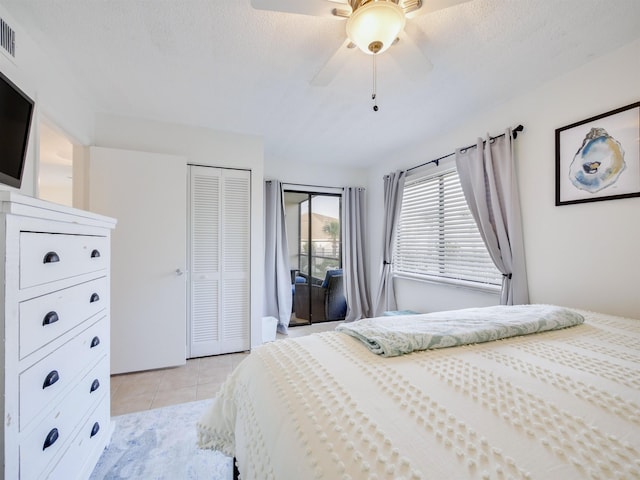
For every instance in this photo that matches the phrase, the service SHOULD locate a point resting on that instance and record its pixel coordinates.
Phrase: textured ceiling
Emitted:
(223, 65)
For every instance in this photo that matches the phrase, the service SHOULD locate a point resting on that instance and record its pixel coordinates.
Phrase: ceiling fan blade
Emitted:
(411, 58)
(332, 66)
(316, 8)
(429, 6)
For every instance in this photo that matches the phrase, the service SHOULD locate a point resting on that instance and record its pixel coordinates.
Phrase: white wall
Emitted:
(59, 195)
(206, 147)
(323, 175)
(584, 256)
(56, 94)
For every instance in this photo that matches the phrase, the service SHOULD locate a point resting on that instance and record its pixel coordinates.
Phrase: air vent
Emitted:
(7, 39)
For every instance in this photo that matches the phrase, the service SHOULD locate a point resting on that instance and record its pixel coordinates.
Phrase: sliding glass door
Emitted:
(320, 247)
(315, 247)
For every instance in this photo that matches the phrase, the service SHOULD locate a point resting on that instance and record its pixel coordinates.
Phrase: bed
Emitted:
(563, 404)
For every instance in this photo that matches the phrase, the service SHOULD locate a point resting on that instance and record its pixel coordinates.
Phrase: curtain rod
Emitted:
(515, 131)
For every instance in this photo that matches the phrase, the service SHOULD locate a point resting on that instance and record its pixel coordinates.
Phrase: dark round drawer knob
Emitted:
(95, 341)
(52, 436)
(94, 430)
(95, 253)
(49, 318)
(94, 298)
(51, 378)
(94, 386)
(51, 257)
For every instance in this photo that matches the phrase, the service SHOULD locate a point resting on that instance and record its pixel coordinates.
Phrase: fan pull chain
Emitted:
(373, 95)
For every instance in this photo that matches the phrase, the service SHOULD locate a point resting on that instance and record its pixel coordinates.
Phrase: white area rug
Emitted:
(161, 444)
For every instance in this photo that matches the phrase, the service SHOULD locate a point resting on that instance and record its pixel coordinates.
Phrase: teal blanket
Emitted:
(393, 336)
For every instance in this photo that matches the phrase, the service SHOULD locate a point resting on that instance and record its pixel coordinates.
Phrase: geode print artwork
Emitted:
(599, 158)
(598, 163)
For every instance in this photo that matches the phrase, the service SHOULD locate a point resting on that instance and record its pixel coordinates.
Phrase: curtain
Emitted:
(354, 255)
(488, 178)
(277, 286)
(393, 188)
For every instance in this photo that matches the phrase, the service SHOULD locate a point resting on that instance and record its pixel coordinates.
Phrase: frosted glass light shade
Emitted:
(374, 26)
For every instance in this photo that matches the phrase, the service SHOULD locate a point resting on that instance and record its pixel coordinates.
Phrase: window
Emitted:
(437, 238)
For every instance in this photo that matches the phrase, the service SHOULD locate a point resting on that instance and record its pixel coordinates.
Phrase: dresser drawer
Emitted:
(91, 436)
(47, 257)
(43, 383)
(45, 318)
(48, 440)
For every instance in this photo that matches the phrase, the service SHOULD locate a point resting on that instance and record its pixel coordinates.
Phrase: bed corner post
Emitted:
(236, 472)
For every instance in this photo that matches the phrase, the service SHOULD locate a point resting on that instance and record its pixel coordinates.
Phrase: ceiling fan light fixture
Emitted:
(374, 26)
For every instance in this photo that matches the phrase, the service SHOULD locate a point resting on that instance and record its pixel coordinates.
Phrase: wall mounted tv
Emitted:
(16, 110)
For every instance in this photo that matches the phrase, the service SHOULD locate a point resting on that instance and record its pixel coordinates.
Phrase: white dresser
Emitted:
(55, 320)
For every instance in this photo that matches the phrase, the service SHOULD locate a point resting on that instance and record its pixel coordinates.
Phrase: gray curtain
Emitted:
(393, 188)
(277, 285)
(488, 178)
(354, 255)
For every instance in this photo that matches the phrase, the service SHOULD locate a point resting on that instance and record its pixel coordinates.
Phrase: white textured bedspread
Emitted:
(563, 404)
(399, 335)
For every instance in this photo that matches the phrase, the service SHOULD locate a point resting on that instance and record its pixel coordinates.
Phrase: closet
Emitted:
(219, 235)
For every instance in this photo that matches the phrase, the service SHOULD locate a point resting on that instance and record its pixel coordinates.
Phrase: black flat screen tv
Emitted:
(16, 111)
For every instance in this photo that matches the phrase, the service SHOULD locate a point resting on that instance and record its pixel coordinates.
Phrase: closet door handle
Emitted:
(95, 341)
(52, 436)
(95, 253)
(94, 430)
(94, 298)
(94, 386)
(50, 379)
(49, 318)
(51, 257)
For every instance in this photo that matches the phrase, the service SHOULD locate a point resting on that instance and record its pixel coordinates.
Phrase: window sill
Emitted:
(447, 282)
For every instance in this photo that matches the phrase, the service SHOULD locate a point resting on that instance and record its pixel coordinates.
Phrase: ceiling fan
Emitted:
(372, 26)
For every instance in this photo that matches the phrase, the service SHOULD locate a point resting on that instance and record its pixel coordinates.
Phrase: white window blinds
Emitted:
(437, 238)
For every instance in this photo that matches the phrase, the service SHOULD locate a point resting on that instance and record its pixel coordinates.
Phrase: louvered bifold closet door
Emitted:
(219, 261)
(235, 260)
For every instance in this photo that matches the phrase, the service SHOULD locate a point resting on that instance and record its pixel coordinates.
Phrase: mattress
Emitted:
(562, 404)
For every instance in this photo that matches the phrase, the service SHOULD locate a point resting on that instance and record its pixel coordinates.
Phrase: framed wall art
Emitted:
(599, 158)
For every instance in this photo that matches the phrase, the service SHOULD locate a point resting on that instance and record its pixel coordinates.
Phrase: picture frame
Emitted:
(599, 158)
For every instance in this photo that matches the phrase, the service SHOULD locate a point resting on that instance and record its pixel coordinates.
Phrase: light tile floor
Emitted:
(198, 379)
